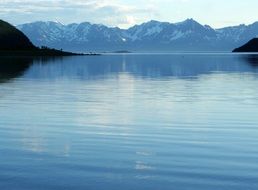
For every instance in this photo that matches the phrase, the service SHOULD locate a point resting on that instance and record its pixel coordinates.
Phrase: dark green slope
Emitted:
(251, 46)
(14, 43)
(13, 39)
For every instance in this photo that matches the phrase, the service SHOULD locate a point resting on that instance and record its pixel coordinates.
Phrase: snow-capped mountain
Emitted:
(188, 35)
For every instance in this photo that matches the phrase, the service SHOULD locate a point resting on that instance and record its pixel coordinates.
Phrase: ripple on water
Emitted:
(153, 123)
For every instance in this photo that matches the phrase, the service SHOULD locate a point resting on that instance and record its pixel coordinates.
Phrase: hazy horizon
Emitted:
(176, 22)
(125, 13)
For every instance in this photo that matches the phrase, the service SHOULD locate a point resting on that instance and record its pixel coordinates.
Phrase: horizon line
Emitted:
(138, 24)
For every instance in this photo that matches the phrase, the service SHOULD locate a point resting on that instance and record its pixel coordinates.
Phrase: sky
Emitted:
(126, 13)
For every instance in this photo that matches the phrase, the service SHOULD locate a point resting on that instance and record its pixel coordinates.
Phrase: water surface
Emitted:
(163, 121)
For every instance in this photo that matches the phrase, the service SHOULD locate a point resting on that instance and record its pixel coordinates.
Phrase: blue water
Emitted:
(128, 122)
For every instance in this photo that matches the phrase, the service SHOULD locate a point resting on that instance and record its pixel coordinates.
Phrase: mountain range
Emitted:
(188, 35)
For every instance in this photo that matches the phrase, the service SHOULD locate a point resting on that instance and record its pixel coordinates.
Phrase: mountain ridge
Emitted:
(188, 35)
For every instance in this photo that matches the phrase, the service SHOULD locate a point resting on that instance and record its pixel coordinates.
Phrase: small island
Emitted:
(251, 46)
(122, 51)
(14, 43)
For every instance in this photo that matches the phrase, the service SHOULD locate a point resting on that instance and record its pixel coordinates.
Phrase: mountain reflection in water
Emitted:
(145, 66)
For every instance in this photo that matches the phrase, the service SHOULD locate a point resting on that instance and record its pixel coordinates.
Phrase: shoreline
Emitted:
(43, 53)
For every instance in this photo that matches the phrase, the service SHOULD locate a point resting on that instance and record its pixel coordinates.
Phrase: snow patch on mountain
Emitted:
(176, 35)
(154, 30)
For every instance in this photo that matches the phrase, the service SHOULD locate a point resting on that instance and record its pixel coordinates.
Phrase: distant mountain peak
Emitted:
(85, 23)
(150, 23)
(188, 21)
(153, 21)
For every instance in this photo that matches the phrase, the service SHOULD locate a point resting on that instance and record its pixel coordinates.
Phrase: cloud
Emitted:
(110, 12)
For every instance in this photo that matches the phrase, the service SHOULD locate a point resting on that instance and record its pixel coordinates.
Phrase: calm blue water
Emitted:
(128, 122)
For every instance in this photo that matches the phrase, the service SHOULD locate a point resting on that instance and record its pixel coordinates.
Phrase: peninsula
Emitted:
(251, 46)
(15, 43)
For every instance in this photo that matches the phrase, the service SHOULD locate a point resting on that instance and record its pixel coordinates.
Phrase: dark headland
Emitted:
(14, 43)
(251, 46)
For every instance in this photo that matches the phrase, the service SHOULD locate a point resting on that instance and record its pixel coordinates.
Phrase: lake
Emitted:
(129, 121)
